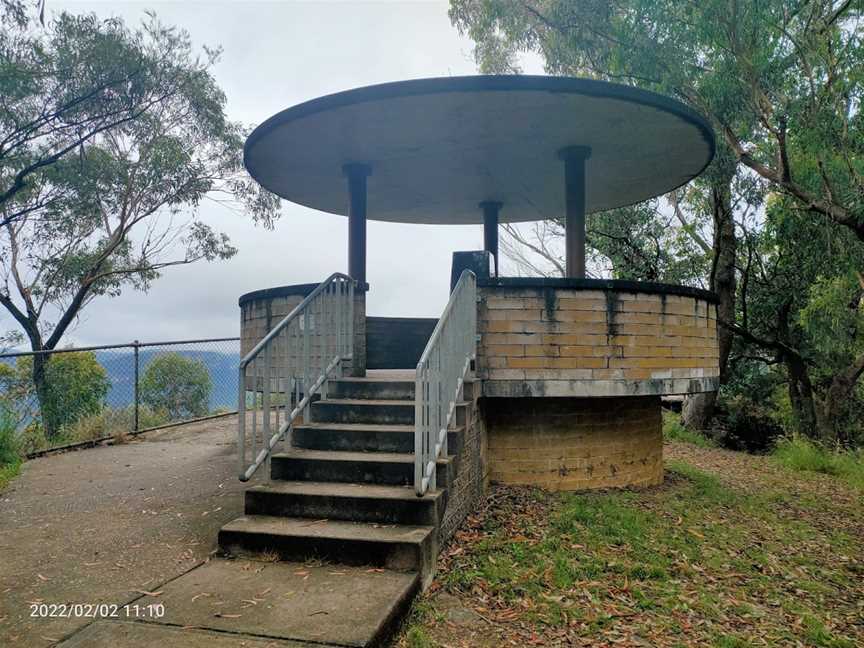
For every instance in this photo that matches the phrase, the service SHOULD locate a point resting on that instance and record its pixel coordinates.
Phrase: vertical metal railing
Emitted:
(441, 373)
(283, 372)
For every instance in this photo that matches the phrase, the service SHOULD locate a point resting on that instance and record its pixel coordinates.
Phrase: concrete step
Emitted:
(298, 606)
(400, 547)
(350, 410)
(371, 389)
(358, 437)
(386, 468)
(353, 502)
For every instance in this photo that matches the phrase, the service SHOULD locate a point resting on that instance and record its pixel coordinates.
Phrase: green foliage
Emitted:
(177, 386)
(804, 293)
(416, 637)
(10, 451)
(674, 430)
(109, 422)
(748, 423)
(799, 453)
(642, 243)
(114, 422)
(782, 85)
(74, 385)
(16, 390)
(103, 172)
(835, 330)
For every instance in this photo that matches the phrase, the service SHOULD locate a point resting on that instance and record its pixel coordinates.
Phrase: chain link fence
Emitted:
(81, 395)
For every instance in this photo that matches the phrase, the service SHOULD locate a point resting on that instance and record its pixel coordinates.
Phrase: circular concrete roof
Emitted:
(438, 147)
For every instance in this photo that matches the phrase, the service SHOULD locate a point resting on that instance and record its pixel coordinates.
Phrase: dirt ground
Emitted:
(104, 524)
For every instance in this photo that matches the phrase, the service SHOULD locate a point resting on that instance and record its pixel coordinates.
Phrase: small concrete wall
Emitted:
(261, 310)
(589, 338)
(574, 443)
(397, 342)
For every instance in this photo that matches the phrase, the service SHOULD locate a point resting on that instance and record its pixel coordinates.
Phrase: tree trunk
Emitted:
(801, 396)
(723, 280)
(39, 375)
(40, 382)
(698, 409)
(831, 408)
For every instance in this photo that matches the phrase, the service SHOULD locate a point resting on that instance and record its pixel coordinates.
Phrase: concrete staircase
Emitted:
(344, 492)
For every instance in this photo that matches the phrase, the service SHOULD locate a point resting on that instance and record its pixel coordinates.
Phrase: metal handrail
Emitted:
(312, 342)
(441, 373)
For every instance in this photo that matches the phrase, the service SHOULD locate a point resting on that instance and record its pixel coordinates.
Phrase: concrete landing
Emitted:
(242, 600)
(132, 634)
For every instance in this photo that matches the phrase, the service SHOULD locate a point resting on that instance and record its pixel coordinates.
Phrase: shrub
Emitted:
(746, 424)
(176, 386)
(10, 457)
(17, 397)
(75, 386)
(9, 450)
(32, 439)
(799, 453)
(114, 422)
(674, 430)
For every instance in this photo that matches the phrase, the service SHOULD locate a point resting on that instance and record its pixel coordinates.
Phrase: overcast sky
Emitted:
(277, 54)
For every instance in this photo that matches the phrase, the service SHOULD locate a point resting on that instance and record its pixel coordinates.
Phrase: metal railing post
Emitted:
(306, 361)
(441, 372)
(137, 384)
(265, 401)
(308, 365)
(351, 321)
(241, 421)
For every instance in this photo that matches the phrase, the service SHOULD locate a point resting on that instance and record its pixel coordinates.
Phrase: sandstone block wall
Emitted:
(471, 476)
(572, 342)
(262, 310)
(574, 443)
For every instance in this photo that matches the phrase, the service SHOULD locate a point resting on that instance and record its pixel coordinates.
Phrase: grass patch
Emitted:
(674, 430)
(109, 422)
(799, 453)
(8, 472)
(693, 557)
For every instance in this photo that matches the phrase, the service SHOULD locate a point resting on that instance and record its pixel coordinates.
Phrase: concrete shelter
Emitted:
(554, 382)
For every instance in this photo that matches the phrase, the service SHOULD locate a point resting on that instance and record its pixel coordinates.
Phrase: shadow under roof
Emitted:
(438, 147)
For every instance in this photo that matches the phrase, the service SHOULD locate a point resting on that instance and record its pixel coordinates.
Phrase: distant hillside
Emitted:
(120, 366)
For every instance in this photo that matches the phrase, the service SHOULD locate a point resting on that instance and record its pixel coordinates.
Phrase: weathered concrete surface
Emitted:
(97, 525)
(331, 604)
(129, 634)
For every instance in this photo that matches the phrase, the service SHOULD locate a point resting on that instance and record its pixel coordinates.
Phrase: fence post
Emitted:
(137, 400)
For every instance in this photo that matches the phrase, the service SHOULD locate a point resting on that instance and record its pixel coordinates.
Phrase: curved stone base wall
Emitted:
(595, 338)
(574, 443)
(261, 310)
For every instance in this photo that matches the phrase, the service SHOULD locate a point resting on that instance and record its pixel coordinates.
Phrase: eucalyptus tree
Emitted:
(780, 81)
(802, 308)
(113, 139)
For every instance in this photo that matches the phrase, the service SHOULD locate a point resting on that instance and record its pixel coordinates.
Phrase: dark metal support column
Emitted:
(490, 228)
(574, 182)
(357, 174)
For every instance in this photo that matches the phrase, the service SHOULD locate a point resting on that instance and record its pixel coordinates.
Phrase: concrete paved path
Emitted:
(136, 524)
(94, 526)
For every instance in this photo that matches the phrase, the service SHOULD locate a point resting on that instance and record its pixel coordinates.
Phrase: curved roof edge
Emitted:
(486, 83)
